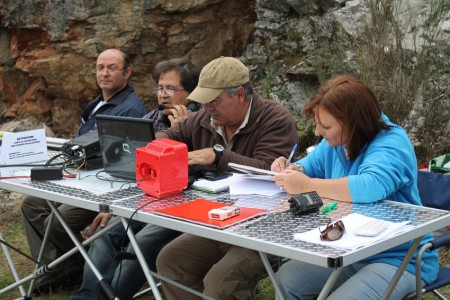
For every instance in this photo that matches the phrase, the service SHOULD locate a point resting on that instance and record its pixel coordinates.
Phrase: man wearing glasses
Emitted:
(112, 254)
(117, 98)
(176, 78)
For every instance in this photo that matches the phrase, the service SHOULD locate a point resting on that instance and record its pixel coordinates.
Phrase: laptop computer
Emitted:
(119, 137)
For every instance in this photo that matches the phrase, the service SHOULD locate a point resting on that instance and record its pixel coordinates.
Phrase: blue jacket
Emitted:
(125, 103)
(385, 169)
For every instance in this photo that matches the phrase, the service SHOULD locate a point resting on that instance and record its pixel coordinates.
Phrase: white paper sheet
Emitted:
(23, 147)
(349, 240)
(241, 185)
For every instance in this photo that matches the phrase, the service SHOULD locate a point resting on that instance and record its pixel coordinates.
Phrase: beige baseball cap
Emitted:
(218, 75)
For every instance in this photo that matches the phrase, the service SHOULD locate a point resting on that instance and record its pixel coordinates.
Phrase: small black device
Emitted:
(192, 106)
(305, 203)
(46, 173)
(215, 175)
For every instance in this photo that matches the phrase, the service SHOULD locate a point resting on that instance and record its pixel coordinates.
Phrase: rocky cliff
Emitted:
(49, 48)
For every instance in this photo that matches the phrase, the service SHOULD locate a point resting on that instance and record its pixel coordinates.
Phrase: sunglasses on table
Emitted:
(333, 231)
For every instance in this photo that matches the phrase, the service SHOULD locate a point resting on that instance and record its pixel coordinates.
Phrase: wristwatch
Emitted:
(218, 149)
(298, 167)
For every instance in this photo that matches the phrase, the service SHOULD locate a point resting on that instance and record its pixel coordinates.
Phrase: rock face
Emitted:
(48, 48)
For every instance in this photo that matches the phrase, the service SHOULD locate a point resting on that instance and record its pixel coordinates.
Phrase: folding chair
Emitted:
(434, 190)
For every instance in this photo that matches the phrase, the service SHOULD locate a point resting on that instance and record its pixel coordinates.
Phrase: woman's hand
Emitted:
(292, 182)
(278, 164)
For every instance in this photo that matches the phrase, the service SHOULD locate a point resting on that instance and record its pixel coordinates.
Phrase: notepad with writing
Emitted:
(197, 212)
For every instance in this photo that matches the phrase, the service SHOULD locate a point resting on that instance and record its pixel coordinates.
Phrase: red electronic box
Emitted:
(162, 167)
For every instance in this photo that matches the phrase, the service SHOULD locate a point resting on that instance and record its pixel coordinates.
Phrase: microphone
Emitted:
(161, 107)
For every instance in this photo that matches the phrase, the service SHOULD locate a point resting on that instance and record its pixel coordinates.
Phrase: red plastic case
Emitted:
(162, 167)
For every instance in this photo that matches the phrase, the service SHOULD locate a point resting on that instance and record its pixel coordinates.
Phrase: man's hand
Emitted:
(100, 220)
(202, 157)
(176, 114)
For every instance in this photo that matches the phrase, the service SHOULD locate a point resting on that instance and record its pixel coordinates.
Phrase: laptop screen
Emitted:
(119, 137)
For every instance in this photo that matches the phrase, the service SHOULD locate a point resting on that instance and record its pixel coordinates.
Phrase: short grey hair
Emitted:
(248, 89)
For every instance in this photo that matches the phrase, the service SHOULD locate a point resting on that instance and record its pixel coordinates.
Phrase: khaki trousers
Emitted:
(219, 270)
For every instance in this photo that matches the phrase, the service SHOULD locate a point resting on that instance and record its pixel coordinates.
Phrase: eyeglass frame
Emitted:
(168, 91)
(332, 226)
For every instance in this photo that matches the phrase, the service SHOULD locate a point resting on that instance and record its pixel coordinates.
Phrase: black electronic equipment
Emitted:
(214, 175)
(305, 203)
(87, 143)
(46, 173)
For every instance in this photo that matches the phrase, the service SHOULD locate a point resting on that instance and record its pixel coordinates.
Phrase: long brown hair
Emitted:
(354, 106)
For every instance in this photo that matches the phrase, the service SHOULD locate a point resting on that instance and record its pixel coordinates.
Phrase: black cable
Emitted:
(57, 156)
(17, 250)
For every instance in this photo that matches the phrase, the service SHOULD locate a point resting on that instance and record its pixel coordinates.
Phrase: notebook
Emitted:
(119, 137)
(197, 212)
(211, 186)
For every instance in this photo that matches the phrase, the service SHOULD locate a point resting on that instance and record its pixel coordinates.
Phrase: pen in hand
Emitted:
(288, 162)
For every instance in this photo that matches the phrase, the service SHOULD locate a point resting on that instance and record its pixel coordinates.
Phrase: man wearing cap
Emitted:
(236, 125)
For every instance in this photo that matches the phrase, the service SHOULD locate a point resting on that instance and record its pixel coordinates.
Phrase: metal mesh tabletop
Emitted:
(272, 233)
(280, 225)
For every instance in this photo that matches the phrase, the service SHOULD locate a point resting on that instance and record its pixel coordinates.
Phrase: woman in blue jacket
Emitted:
(362, 158)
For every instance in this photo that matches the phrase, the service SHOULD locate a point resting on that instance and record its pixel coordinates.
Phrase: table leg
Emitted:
(63, 257)
(41, 252)
(12, 267)
(329, 284)
(105, 286)
(412, 249)
(142, 261)
(173, 282)
(271, 274)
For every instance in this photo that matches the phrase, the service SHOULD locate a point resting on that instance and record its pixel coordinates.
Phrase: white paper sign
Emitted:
(23, 147)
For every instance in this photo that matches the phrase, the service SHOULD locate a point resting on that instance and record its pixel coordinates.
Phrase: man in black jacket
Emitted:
(118, 98)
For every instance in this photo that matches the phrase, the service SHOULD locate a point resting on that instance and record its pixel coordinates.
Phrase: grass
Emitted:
(12, 229)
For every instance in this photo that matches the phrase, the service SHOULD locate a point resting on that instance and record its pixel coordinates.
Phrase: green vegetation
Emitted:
(406, 69)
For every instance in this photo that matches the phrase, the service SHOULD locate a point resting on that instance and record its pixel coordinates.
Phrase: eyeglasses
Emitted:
(333, 231)
(109, 69)
(169, 91)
